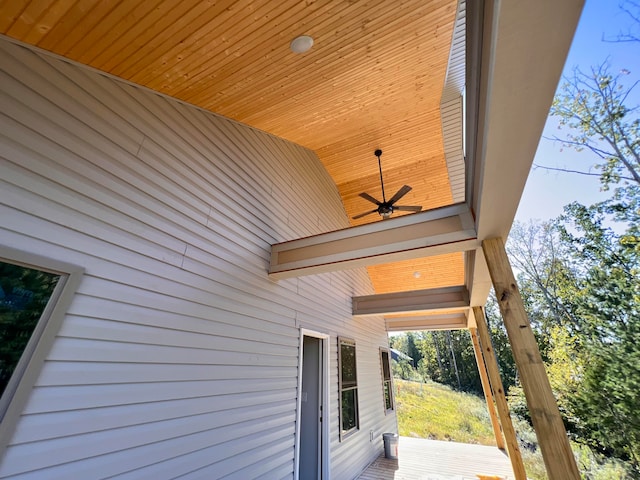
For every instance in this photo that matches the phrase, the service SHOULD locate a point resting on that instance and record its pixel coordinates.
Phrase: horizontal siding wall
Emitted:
(178, 356)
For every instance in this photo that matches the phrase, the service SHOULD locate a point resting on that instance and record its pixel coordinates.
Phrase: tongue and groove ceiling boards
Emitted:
(375, 78)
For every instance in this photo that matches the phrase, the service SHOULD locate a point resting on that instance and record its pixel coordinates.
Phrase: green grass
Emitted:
(435, 411)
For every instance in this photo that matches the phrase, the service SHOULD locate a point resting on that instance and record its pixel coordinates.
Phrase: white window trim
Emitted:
(28, 368)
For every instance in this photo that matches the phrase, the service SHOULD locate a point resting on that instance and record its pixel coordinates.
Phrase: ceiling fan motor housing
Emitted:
(385, 211)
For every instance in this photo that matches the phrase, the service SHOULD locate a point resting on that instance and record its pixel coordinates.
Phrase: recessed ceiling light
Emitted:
(301, 44)
(417, 274)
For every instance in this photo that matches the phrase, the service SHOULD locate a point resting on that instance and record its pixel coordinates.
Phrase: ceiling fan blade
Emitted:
(366, 196)
(364, 214)
(400, 193)
(411, 208)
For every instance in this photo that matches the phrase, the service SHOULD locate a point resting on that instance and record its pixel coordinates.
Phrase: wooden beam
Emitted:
(433, 232)
(444, 321)
(446, 298)
(547, 422)
(486, 388)
(498, 390)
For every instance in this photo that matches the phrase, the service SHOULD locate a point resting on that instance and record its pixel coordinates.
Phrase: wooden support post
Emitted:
(486, 388)
(552, 436)
(501, 400)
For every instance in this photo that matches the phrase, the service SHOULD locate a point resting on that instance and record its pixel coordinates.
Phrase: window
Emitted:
(348, 386)
(35, 293)
(387, 387)
(24, 294)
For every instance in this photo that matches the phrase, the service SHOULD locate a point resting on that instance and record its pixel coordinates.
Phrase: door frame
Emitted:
(324, 426)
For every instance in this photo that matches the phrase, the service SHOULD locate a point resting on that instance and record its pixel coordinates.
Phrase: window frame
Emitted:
(341, 388)
(16, 394)
(384, 350)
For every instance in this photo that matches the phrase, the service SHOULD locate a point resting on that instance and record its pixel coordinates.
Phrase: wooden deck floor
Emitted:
(421, 459)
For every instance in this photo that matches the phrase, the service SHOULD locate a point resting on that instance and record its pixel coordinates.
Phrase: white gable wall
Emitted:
(178, 356)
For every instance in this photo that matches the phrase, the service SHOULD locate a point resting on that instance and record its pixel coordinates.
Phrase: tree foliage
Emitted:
(581, 273)
(500, 343)
(607, 304)
(585, 309)
(442, 356)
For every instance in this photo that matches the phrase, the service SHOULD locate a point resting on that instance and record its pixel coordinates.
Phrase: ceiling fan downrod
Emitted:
(386, 208)
(378, 153)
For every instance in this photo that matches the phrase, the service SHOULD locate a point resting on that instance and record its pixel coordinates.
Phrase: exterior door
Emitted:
(311, 405)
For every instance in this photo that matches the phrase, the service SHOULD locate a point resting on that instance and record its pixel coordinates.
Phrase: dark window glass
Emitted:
(348, 387)
(386, 380)
(349, 410)
(387, 396)
(348, 356)
(24, 293)
(386, 373)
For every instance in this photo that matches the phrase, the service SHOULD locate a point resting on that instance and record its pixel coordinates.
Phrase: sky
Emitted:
(546, 191)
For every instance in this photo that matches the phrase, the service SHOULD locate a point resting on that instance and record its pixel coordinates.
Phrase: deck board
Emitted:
(422, 459)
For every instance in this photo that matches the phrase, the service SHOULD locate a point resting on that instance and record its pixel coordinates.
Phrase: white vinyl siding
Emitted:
(177, 356)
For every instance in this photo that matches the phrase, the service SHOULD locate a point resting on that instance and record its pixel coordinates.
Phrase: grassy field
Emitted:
(431, 410)
(435, 411)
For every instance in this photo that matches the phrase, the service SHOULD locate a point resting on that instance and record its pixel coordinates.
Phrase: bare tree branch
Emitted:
(565, 170)
(628, 36)
(593, 106)
(603, 154)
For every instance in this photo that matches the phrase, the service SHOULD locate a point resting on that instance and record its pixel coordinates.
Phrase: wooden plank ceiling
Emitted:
(373, 79)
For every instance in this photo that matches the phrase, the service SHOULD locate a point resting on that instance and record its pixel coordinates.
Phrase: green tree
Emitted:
(585, 310)
(403, 369)
(500, 342)
(412, 348)
(607, 304)
(399, 342)
(544, 270)
(447, 357)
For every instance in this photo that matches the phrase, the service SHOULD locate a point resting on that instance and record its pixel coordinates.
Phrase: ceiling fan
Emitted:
(386, 208)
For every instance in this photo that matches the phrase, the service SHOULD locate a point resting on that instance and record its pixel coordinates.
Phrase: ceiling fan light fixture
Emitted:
(387, 207)
(301, 44)
(385, 211)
